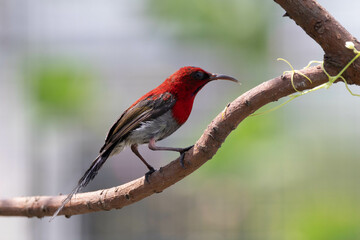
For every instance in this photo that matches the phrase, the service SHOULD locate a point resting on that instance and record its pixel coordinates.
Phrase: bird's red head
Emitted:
(188, 81)
(184, 84)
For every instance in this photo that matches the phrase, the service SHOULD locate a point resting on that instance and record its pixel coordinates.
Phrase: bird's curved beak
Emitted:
(215, 76)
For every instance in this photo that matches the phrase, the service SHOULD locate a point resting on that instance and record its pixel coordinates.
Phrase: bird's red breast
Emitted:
(182, 109)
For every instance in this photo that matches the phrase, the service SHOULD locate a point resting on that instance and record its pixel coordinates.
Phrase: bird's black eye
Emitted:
(199, 75)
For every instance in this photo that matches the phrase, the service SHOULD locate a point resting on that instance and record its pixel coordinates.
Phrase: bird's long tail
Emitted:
(84, 180)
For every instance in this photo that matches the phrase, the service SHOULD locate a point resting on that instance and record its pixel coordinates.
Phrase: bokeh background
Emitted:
(69, 68)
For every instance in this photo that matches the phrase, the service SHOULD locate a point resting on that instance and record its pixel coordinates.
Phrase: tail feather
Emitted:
(84, 180)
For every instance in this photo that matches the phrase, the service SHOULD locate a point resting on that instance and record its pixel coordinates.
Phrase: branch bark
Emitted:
(328, 33)
(308, 14)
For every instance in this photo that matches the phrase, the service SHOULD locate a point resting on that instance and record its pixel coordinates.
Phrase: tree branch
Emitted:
(328, 33)
(314, 20)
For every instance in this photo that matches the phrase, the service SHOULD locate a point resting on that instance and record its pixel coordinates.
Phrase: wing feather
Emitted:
(149, 108)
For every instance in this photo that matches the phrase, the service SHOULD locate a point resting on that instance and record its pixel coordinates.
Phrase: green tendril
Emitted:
(332, 79)
(293, 71)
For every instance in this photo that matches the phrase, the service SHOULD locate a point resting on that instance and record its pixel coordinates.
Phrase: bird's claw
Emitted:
(182, 155)
(151, 171)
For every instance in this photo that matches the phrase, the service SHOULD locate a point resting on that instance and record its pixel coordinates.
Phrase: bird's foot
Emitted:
(151, 171)
(182, 155)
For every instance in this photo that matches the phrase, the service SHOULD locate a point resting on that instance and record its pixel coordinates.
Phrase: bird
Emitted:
(151, 118)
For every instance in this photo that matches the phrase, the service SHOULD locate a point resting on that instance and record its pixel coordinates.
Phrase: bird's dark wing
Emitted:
(150, 107)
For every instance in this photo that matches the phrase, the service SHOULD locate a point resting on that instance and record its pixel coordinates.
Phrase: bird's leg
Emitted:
(134, 148)
(182, 151)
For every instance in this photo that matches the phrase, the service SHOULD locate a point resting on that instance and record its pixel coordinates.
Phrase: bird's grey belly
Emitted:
(158, 129)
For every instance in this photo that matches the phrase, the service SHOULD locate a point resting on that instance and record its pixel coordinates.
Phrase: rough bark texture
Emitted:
(328, 33)
(315, 21)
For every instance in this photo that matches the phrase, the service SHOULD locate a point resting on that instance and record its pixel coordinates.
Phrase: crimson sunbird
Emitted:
(153, 117)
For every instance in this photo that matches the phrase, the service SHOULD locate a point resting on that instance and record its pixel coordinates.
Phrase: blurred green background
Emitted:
(69, 68)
